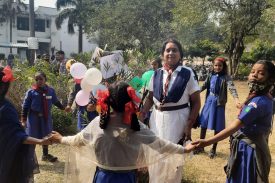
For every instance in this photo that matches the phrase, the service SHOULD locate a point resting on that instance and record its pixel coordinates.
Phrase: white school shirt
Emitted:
(191, 87)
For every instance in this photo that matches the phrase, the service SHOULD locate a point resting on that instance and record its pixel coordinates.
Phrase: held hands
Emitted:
(68, 109)
(200, 143)
(46, 140)
(189, 147)
(56, 137)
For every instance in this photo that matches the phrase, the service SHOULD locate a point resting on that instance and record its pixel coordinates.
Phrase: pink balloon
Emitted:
(78, 70)
(82, 98)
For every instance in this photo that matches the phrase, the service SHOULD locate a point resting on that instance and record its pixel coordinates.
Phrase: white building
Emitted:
(45, 30)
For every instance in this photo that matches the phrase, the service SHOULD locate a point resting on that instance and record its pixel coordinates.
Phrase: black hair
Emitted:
(4, 86)
(158, 61)
(60, 52)
(171, 40)
(38, 73)
(224, 70)
(270, 68)
(117, 100)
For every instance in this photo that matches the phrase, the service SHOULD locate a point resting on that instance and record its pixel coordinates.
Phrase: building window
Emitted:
(39, 25)
(23, 23)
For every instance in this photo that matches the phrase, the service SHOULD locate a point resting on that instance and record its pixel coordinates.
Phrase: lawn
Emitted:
(199, 168)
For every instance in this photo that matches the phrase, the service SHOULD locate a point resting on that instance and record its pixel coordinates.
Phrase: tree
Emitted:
(202, 49)
(129, 23)
(75, 12)
(9, 11)
(236, 20)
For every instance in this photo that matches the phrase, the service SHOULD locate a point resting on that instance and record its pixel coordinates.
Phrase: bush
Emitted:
(243, 71)
(63, 122)
(247, 58)
(24, 75)
(84, 57)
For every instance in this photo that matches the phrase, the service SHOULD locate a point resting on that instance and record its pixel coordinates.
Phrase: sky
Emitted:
(47, 3)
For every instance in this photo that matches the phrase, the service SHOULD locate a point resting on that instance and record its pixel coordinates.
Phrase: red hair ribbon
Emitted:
(220, 59)
(101, 99)
(8, 76)
(130, 107)
(132, 94)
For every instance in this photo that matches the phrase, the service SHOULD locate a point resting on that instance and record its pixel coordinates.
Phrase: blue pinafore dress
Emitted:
(213, 116)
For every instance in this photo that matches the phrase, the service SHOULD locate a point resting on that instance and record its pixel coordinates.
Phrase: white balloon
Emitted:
(82, 98)
(85, 86)
(78, 70)
(93, 76)
(97, 88)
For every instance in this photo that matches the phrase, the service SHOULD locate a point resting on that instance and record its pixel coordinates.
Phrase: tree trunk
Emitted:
(80, 38)
(235, 52)
(32, 30)
(11, 33)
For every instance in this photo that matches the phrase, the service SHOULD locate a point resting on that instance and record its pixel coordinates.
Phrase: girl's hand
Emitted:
(238, 104)
(200, 143)
(189, 147)
(56, 137)
(46, 140)
(23, 122)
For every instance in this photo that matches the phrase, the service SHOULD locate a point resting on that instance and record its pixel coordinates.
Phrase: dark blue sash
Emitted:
(177, 89)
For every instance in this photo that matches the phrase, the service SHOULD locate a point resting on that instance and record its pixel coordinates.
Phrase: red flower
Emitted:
(8, 76)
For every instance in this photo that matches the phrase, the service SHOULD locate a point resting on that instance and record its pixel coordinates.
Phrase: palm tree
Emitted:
(75, 11)
(8, 12)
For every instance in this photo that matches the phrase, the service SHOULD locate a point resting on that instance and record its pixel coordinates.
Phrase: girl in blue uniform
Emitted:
(250, 158)
(36, 111)
(213, 113)
(16, 161)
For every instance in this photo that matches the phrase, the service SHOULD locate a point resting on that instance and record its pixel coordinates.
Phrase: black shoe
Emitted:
(199, 150)
(212, 154)
(49, 158)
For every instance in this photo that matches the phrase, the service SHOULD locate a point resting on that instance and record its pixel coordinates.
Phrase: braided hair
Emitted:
(4, 86)
(117, 100)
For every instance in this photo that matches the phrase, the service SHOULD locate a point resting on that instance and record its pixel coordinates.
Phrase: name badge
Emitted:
(48, 97)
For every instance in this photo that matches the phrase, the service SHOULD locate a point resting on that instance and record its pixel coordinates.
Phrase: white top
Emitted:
(117, 148)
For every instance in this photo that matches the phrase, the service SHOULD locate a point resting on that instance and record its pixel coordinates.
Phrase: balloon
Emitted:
(69, 63)
(97, 88)
(146, 77)
(136, 83)
(93, 76)
(82, 98)
(85, 86)
(78, 70)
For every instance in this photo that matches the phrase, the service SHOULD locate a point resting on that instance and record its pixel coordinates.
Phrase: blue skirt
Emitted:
(212, 116)
(108, 176)
(246, 171)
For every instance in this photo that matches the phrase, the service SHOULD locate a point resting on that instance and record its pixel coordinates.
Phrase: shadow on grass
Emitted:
(221, 155)
(57, 167)
(185, 180)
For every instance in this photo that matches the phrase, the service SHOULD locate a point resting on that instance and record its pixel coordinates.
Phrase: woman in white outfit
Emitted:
(171, 90)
